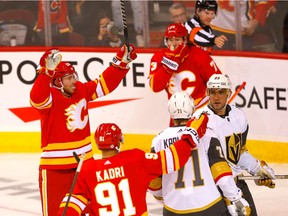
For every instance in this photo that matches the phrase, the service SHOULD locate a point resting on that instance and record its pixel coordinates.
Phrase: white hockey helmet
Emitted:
(221, 81)
(181, 105)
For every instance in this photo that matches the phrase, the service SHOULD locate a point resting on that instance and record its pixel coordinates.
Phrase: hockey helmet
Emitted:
(221, 81)
(108, 136)
(63, 69)
(181, 105)
(208, 5)
(176, 30)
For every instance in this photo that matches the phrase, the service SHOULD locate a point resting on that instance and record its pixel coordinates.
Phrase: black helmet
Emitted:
(209, 5)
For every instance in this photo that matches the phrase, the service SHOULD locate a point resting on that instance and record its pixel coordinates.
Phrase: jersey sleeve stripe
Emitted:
(104, 86)
(163, 161)
(220, 169)
(176, 158)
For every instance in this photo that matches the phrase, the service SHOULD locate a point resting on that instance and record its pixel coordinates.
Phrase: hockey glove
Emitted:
(267, 175)
(124, 57)
(195, 130)
(49, 61)
(172, 59)
(239, 207)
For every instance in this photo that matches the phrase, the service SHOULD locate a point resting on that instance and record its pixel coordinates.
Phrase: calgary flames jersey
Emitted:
(64, 121)
(232, 130)
(183, 191)
(118, 185)
(58, 14)
(192, 75)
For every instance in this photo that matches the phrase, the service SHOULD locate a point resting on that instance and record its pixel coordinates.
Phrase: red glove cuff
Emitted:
(43, 70)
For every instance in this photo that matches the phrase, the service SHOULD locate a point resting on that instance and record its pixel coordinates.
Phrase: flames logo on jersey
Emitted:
(183, 81)
(74, 120)
(54, 6)
(233, 147)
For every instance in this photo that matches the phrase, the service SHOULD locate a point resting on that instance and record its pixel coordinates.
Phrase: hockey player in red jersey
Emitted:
(193, 189)
(117, 184)
(62, 102)
(180, 67)
(231, 126)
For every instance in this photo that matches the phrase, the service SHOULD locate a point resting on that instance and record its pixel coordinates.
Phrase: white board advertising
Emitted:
(134, 107)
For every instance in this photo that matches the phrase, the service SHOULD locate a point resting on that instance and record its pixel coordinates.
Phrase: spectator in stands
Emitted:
(252, 15)
(106, 34)
(138, 16)
(178, 13)
(200, 32)
(264, 38)
(82, 16)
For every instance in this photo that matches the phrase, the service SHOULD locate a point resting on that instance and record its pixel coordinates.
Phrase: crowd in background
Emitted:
(99, 23)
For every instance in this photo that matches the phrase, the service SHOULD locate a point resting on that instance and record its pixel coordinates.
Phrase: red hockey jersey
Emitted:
(58, 15)
(64, 121)
(118, 185)
(192, 75)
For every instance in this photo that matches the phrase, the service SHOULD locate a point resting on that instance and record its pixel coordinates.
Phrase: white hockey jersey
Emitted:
(232, 130)
(192, 188)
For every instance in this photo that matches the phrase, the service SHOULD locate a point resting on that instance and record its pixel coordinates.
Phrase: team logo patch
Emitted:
(233, 147)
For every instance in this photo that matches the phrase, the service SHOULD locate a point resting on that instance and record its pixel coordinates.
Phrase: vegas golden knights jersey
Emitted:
(193, 188)
(231, 131)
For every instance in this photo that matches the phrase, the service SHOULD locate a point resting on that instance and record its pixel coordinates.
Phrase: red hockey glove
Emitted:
(49, 61)
(267, 174)
(195, 130)
(124, 57)
(172, 59)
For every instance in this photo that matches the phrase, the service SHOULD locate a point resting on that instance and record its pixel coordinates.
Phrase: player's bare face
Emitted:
(218, 100)
(178, 15)
(174, 42)
(206, 16)
(69, 84)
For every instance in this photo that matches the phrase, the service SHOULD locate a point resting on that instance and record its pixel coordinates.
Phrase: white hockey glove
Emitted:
(238, 206)
(267, 175)
(195, 130)
(49, 61)
(123, 57)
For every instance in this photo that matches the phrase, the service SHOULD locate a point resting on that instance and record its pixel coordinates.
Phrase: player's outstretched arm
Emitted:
(257, 168)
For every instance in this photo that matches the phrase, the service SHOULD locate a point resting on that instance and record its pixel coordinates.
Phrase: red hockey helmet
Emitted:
(208, 5)
(63, 69)
(176, 30)
(108, 136)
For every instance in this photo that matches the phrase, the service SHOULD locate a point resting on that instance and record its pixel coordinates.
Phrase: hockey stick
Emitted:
(237, 92)
(74, 180)
(125, 28)
(76, 157)
(259, 177)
